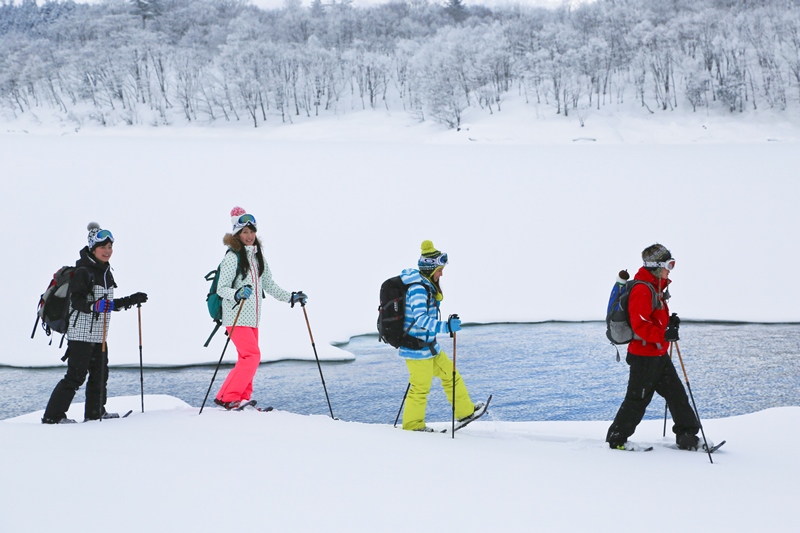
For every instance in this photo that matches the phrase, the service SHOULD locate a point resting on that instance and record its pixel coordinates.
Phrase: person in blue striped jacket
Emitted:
(426, 359)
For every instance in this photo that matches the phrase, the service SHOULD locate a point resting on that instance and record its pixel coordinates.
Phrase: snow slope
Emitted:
(536, 223)
(172, 470)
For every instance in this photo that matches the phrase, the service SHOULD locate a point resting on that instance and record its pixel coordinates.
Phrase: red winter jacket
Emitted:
(648, 324)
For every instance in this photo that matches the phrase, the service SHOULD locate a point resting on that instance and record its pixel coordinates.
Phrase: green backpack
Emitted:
(214, 301)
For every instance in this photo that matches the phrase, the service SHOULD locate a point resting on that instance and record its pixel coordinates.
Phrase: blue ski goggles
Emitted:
(439, 260)
(245, 220)
(101, 236)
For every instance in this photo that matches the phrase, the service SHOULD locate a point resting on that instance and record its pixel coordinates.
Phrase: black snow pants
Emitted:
(649, 375)
(84, 357)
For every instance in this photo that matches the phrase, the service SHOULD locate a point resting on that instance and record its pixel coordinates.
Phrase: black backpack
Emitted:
(618, 320)
(392, 315)
(54, 303)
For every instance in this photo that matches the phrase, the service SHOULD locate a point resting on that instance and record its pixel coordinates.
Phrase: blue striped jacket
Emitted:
(425, 320)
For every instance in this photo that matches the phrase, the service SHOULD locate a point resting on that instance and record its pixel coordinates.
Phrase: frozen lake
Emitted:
(547, 371)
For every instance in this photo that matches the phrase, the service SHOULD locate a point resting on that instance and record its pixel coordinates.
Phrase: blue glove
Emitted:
(103, 306)
(298, 297)
(244, 293)
(454, 324)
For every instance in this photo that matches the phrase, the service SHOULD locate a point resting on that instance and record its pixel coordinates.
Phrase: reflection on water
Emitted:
(552, 371)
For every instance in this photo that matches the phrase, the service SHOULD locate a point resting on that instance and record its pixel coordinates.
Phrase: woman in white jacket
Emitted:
(244, 278)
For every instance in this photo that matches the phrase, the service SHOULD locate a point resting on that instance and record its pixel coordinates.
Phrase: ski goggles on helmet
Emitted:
(244, 220)
(669, 264)
(433, 262)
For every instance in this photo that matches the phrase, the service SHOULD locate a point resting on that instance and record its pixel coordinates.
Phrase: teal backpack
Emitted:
(214, 301)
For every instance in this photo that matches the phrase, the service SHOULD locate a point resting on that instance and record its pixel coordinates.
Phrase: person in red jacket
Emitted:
(651, 369)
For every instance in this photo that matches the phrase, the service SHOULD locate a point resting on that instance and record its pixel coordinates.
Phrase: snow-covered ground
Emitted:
(537, 219)
(171, 470)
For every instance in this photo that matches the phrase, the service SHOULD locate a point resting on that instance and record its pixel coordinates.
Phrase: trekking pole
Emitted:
(689, 387)
(235, 320)
(401, 405)
(104, 355)
(34, 326)
(105, 323)
(314, 346)
(141, 369)
(452, 334)
(666, 405)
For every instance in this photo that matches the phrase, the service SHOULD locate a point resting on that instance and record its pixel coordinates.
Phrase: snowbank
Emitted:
(172, 470)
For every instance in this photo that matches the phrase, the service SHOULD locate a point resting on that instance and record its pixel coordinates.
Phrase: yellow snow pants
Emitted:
(421, 373)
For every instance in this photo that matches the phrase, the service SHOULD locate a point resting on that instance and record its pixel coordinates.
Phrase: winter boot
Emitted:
(236, 405)
(64, 420)
(615, 440)
(687, 441)
(227, 405)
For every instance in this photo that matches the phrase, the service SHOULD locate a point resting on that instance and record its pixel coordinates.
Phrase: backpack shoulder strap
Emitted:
(229, 251)
(89, 274)
(431, 344)
(655, 303)
(427, 292)
(211, 276)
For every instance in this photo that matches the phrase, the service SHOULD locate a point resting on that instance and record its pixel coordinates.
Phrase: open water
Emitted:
(547, 371)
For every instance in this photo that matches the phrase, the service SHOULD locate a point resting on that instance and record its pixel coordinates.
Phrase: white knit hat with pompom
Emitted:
(237, 222)
(94, 240)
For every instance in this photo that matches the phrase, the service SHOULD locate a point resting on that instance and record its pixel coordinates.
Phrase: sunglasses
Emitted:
(244, 220)
(102, 235)
(669, 264)
(440, 260)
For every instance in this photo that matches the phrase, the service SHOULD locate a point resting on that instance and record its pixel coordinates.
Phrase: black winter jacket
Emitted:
(91, 281)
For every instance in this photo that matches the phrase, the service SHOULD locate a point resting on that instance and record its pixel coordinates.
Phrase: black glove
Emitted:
(298, 297)
(138, 298)
(129, 301)
(671, 335)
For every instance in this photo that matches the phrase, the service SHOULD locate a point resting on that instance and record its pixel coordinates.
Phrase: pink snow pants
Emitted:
(239, 383)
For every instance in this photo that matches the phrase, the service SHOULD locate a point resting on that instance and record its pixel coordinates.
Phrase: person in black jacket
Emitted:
(91, 302)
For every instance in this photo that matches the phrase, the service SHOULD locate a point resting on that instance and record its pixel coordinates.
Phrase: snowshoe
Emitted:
(629, 446)
(236, 405)
(64, 420)
(480, 409)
